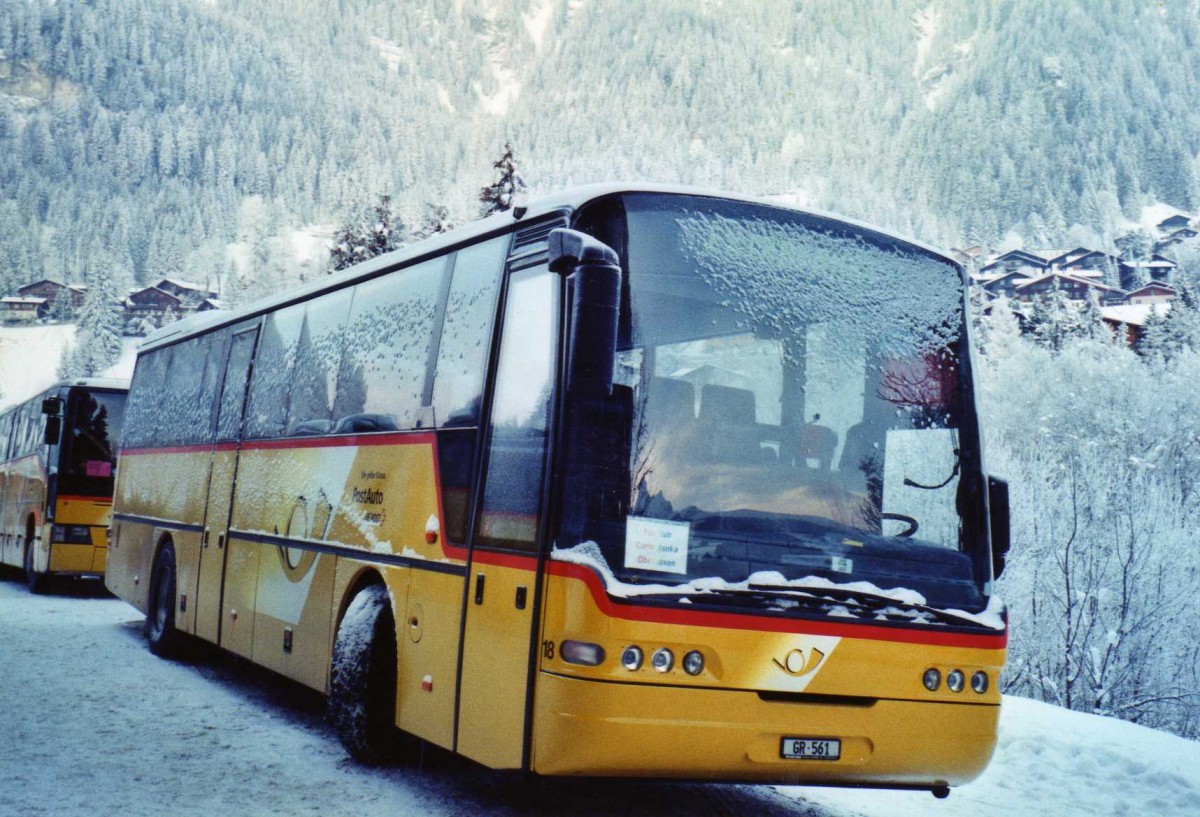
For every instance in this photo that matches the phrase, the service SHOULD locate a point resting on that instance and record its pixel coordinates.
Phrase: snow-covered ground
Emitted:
(92, 724)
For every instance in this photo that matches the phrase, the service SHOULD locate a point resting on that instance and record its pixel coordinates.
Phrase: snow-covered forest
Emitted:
(184, 138)
(1101, 445)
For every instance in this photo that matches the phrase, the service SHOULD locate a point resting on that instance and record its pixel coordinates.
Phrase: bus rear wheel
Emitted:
(36, 582)
(161, 634)
(362, 686)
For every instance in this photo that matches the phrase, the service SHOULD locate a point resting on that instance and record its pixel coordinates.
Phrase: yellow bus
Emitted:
(58, 451)
(633, 481)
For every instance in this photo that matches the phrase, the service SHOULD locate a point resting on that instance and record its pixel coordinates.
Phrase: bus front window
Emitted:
(792, 408)
(91, 440)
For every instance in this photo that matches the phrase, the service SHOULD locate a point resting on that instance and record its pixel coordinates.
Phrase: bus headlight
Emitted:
(693, 663)
(979, 682)
(932, 679)
(631, 659)
(71, 534)
(662, 660)
(956, 680)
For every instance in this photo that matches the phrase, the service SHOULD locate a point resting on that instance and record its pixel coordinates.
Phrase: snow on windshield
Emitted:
(783, 276)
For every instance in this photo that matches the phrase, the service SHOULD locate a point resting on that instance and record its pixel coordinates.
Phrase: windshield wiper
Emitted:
(859, 601)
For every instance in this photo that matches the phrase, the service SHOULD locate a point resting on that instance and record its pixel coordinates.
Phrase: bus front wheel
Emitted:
(164, 639)
(362, 685)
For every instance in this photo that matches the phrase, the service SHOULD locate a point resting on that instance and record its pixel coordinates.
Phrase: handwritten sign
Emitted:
(654, 544)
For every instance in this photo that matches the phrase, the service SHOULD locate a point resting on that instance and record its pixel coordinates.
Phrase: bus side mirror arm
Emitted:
(595, 274)
(998, 511)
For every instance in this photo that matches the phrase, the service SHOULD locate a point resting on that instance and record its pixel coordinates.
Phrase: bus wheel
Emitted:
(36, 582)
(160, 621)
(362, 686)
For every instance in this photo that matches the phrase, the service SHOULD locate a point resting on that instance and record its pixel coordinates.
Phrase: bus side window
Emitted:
(143, 412)
(517, 436)
(382, 384)
(467, 333)
(186, 415)
(270, 391)
(319, 355)
(466, 341)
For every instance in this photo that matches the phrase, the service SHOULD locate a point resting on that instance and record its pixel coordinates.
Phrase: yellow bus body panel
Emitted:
(810, 679)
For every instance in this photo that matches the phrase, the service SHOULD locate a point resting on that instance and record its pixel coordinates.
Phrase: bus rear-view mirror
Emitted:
(53, 429)
(998, 512)
(594, 272)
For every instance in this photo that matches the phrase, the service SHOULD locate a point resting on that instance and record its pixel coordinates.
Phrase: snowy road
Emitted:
(92, 724)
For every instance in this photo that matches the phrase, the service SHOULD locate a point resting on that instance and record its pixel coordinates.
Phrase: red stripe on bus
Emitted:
(98, 500)
(169, 449)
(738, 621)
(360, 440)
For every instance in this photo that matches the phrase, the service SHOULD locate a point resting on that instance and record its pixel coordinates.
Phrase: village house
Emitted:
(22, 310)
(1154, 292)
(51, 290)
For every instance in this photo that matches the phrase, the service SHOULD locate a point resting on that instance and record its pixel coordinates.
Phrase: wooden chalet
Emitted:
(1075, 288)
(1154, 292)
(187, 292)
(50, 290)
(153, 302)
(23, 310)
(1155, 268)
(1174, 222)
(1088, 264)
(1032, 264)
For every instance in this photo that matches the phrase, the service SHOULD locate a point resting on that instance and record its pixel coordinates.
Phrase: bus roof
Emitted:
(564, 202)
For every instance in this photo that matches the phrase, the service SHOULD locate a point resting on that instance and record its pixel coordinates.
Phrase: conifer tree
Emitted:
(500, 194)
(98, 336)
(371, 234)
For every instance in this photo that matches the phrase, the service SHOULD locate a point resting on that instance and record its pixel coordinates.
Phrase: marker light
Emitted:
(693, 663)
(662, 660)
(956, 680)
(979, 682)
(932, 679)
(582, 652)
(631, 659)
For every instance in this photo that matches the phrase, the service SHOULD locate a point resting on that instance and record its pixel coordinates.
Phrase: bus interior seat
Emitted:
(365, 423)
(311, 428)
(670, 401)
(817, 442)
(727, 415)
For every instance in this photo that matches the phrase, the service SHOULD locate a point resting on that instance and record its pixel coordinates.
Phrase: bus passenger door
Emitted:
(497, 654)
(214, 547)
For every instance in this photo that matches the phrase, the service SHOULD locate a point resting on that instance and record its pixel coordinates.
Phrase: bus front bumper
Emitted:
(603, 729)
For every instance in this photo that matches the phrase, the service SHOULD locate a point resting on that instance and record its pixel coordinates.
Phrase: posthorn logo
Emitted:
(797, 662)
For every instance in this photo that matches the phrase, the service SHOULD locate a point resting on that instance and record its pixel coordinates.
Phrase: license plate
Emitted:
(810, 749)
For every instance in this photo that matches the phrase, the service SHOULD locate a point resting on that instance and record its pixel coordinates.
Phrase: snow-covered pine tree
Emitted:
(435, 220)
(98, 334)
(373, 233)
(500, 194)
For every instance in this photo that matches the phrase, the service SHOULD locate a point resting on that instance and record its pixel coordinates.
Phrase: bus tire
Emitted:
(36, 582)
(163, 638)
(362, 684)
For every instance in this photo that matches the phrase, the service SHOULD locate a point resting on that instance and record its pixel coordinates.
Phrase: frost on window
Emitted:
(384, 376)
(467, 333)
(784, 277)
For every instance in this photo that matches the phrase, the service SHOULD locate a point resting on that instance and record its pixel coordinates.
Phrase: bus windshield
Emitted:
(792, 409)
(90, 442)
